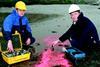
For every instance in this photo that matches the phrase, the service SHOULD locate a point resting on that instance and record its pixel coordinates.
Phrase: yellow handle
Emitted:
(1, 34)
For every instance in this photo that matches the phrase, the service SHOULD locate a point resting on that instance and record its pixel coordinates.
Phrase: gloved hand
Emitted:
(10, 46)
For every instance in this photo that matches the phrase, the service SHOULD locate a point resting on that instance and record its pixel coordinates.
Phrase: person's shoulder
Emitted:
(9, 17)
(89, 23)
(86, 19)
(83, 17)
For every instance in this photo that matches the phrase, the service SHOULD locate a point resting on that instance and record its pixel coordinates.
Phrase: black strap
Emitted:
(20, 22)
(0, 29)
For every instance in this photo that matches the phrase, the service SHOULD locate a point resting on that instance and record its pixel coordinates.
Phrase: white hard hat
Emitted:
(73, 8)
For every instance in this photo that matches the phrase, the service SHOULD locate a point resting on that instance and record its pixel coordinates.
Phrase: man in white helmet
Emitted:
(82, 34)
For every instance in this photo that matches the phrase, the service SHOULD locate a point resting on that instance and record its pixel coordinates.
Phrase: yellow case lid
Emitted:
(16, 41)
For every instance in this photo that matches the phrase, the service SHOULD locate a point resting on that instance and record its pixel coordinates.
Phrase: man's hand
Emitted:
(10, 46)
(28, 41)
(64, 49)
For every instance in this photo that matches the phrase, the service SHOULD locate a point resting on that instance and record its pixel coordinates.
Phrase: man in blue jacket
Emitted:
(82, 34)
(16, 21)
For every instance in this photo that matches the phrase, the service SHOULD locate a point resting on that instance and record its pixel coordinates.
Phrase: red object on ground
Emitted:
(51, 58)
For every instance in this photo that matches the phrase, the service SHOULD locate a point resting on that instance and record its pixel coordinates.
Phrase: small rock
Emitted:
(58, 25)
(37, 44)
(99, 8)
(54, 31)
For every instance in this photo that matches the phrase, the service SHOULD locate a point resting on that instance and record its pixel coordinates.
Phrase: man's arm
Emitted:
(7, 27)
(28, 28)
(66, 35)
(94, 33)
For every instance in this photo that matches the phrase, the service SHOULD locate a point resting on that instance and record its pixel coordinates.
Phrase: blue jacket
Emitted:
(83, 33)
(12, 23)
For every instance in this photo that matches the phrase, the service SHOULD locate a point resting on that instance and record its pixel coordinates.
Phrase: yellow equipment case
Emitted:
(9, 57)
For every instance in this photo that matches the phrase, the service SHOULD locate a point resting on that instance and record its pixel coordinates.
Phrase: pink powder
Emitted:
(51, 58)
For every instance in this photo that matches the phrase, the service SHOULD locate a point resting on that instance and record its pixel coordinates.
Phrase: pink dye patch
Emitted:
(51, 58)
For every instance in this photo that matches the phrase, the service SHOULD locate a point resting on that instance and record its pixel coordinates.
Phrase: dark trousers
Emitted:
(83, 46)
